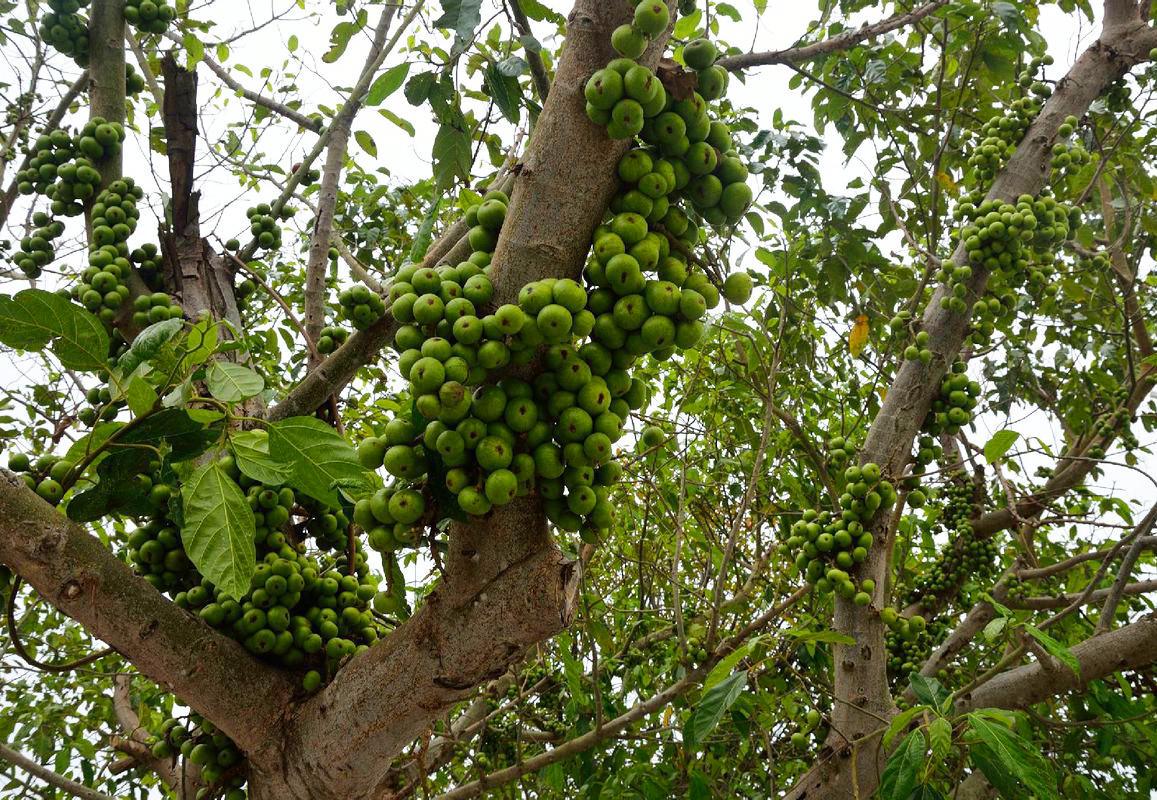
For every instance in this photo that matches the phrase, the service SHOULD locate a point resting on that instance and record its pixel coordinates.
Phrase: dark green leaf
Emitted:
(505, 92)
(418, 87)
(903, 768)
(927, 690)
(218, 530)
(1014, 756)
(316, 455)
(461, 17)
(452, 156)
(512, 67)
(711, 708)
(140, 396)
(34, 319)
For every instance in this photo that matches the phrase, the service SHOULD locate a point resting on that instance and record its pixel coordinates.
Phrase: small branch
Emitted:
(1082, 598)
(835, 44)
(534, 59)
(50, 777)
(309, 123)
(1109, 609)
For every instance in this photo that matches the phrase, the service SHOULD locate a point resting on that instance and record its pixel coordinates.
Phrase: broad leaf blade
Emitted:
(711, 708)
(903, 768)
(387, 83)
(999, 444)
(317, 456)
(231, 383)
(1013, 756)
(1056, 649)
(218, 530)
(34, 319)
(251, 454)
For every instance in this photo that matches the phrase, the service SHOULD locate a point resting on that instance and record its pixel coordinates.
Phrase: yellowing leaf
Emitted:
(946, 183)
(858, 338)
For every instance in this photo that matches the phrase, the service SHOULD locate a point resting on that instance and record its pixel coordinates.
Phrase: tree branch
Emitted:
(1130, 647)
(50, 777)
(74, 572)
(835, 44)
(533, 58)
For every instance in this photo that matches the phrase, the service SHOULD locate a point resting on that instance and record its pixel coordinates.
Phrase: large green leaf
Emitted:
(34, 319)
(452, 155)
(505, 92)
(218, 530)
(903, 768)
(711, 707)
(1012, 756)
(319, 459)
(251, 454)
(999, 444)
(230, 382)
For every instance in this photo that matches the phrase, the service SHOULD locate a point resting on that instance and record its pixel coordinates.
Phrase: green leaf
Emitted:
(218, 530)
(183, 436)
(903, 768)
(940, 737)
(316, 455)
(292, 43)
(140, 396)
(505, 92)
(512, 67)
(461, 17)
(711, 708)
(231, 383)
(900, 723)
(404, 124)
(418, 87)
(726, 664)
(194, 49)
(994, 628)
(452, 156)
(686, 27)
(34, 319)
(537, 11)
(251, 454)
(200, 344)
(147, 344)
(339, 39)
(387, 83)
(1055, 649)
(367, 142)
(999, 444)
(1014, 756)
(927, 690)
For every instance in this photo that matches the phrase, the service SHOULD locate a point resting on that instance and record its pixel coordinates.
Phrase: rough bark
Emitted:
(506, 588)
(77, 574)
(862, 696)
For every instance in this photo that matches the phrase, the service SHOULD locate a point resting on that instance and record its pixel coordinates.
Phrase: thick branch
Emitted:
(75, 573)
(1130, 647)
(107, 68)
(843, 41)
(50, 777)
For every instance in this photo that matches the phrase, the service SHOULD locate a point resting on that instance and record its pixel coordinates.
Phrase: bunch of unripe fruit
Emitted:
(332, 337)
(908, 640)
(66, 29)
(36, 249)
(263, 225)
(212, 751)
(698, 156)
(964, 557)
(148, 262)
(361, 306)
(952, 408)
(149, 16)
(826, 547)
(46, 476)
